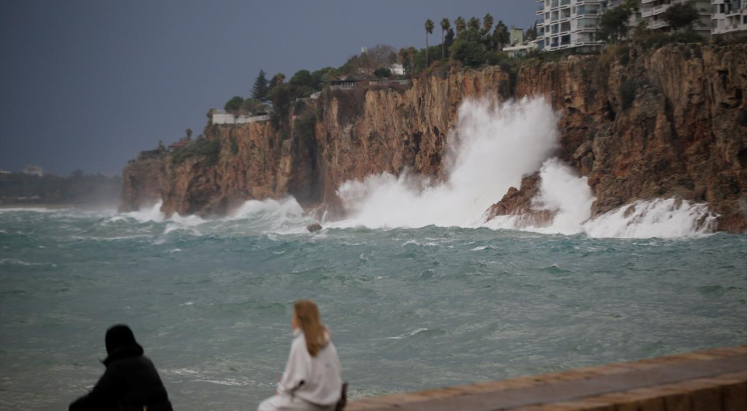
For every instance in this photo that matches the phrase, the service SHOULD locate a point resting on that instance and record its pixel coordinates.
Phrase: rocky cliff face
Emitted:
(669, 122)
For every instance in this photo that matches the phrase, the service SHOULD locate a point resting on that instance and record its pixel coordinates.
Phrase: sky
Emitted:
(87, 84)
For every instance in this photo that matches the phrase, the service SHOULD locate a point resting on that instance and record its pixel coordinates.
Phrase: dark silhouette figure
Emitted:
(130, 381)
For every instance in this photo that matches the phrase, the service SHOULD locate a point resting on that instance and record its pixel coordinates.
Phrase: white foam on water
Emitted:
(662, 218)
(561, 191)
(493, 146)
(145, 214)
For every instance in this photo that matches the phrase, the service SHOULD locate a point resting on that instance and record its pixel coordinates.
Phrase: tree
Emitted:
(428, 30)
(378, 55)
(392, 57)
(501, 35)
(487, 23)
(531, 33)
(189, 133)
(302, 78)
(320, 77)
(613, 25)
(449, 38)
(277, 80)
(445, 26)
(459, 24)
(233, 105)
(260, 88)
(681, 15)
(382, 72)
(470, 53)
(474, 23)
(403, 58)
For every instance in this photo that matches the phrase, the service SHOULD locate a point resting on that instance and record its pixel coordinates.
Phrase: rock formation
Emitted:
(642, 124)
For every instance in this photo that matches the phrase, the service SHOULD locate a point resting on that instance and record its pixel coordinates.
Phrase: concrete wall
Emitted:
(225, 118)
(713, 380)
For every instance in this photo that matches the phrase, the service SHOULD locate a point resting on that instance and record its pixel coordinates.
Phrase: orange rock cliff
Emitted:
(662, 123)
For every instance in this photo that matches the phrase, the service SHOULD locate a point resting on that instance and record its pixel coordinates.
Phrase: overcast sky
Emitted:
(89, 84)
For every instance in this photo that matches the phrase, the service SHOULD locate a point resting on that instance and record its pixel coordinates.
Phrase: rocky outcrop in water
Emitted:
(670, 122)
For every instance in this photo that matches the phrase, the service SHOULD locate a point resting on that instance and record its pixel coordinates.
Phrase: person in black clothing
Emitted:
(130, 381)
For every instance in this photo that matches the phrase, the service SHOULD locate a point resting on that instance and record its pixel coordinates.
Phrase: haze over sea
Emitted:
(417, 289)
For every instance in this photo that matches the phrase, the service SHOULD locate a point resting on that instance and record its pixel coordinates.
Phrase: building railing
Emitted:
(660, 8)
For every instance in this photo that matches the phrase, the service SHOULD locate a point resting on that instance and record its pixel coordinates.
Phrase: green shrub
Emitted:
(470, 53)
(234, 104)
(208, 149)
(382, 72)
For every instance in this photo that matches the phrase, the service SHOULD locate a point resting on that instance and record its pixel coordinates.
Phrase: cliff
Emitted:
(640, 124)
(668, 123)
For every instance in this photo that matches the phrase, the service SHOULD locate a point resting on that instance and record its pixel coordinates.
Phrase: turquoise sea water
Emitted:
(408, 309)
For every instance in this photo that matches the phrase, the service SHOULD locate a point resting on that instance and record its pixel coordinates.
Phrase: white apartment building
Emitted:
(728, 16)
(568, 24)
(652, 12)
(565, 24)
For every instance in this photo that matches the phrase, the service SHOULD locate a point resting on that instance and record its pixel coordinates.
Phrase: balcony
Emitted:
(647, 13)
(540, 10)
(659, 24)
(647, 1)
(564, 3)
(585, 28)
(661, 8)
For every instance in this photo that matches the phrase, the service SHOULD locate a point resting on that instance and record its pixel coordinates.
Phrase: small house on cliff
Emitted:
(344, 83)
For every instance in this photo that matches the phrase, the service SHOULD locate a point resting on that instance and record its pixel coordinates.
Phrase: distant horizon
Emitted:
(88, 85)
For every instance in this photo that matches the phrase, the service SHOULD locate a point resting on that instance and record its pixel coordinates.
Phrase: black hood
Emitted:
(120, 343)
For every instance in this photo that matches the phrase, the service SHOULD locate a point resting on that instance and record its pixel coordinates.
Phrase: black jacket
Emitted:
(130, 382)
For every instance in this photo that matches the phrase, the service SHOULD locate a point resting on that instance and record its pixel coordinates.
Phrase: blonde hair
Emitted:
(310, 322)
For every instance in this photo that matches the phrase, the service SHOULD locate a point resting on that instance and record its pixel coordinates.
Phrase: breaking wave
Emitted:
(492, 148)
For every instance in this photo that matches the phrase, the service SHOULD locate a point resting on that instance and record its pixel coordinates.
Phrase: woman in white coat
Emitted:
(312, 379)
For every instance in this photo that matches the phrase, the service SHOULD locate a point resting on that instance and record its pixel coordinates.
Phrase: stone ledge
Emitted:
(711, 380)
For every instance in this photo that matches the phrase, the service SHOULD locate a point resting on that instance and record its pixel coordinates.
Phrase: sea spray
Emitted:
(662, 218)
(566, 196)
(493, 146)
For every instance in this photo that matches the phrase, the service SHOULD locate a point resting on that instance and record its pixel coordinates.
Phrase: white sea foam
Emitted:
(667, 218)
(561, 191)
(409, 334)
(493, 146)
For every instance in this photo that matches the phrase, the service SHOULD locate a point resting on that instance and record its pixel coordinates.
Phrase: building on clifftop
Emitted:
(728, 16)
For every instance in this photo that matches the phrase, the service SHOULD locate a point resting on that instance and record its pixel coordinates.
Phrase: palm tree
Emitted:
(428, 30)
(474, 23)
(411, 55)
(403, 58)
(459, 24)
(501, 34)
(487, 23)
(445, 25)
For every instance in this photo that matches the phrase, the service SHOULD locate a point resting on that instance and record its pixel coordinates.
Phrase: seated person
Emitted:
(312, 380)
(130, 381)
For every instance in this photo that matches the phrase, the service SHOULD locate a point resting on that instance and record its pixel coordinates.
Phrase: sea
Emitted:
(418, 289)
